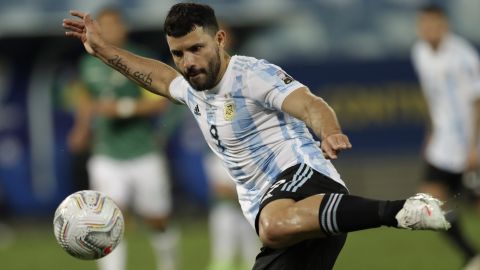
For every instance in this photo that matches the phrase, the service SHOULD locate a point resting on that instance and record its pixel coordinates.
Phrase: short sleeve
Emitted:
(470, 63)
(178, 89)
(270, 85)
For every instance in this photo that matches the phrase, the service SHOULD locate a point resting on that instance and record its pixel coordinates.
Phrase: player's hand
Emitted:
(334, 144)
(86, 29)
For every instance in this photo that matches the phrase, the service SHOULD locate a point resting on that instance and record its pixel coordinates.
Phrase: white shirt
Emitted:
(242, 122)
(450, 79)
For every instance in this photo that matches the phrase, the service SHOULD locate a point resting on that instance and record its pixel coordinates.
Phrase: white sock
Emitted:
(115, 260)
(165, 245)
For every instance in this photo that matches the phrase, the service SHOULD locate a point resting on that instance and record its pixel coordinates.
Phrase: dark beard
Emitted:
(211, 76)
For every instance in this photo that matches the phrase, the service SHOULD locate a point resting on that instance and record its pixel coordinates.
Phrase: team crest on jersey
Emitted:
(287, 79)
(229, 111)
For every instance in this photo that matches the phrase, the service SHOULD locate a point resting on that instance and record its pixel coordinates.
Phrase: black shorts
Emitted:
(453, 181)
(299, 182)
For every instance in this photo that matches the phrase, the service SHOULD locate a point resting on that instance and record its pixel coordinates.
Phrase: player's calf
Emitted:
(340, 213)
(285, 222)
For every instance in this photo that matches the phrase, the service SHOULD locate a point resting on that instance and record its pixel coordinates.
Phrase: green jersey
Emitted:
(118, 138)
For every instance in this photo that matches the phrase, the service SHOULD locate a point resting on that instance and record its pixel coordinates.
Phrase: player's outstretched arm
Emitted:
(320, 117)
(150, 74)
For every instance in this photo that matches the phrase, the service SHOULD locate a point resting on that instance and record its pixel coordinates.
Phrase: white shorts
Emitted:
(141, 183)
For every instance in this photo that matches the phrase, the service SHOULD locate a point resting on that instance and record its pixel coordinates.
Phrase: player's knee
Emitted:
(275, 230)
(269, 233)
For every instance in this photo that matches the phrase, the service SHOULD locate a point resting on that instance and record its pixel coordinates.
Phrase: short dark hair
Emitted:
(433, 8)
(183, 18)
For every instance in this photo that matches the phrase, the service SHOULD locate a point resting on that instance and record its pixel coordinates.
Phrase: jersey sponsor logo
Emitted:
(196, 111)
(229, 111)
(287, 79)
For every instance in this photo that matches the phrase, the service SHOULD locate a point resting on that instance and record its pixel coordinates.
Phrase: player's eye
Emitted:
(177, 53)
(195, 48)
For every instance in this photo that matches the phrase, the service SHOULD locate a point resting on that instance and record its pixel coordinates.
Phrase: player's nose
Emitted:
(188, 61)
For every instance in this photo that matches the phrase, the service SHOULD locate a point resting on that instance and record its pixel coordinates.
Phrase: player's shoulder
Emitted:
(419, 47)
(250, 64)
(255, 68)
(459, 43)
(457, 40)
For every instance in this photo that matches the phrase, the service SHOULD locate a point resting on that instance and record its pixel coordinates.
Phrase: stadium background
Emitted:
(354, 53)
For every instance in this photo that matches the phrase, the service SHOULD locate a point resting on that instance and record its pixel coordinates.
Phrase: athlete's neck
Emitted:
(223, 67)
(436, 44)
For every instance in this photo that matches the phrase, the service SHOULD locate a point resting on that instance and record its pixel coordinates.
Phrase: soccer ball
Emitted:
(88, 225)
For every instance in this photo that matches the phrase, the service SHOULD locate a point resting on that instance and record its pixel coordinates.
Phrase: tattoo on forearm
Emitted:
(140, 77)
(116, 61)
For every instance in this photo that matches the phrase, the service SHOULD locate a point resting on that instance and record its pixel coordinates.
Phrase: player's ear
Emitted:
(220, 37)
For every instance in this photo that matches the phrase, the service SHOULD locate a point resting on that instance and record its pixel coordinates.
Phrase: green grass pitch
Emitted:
(34, 247)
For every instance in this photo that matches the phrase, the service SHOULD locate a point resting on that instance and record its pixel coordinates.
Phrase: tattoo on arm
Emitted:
(116, 62)
(143, 78)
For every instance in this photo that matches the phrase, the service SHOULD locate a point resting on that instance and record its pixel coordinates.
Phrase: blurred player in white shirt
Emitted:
(448, 67)
(233, 242)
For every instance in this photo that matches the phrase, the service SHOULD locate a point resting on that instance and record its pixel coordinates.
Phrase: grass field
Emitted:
(34, 248)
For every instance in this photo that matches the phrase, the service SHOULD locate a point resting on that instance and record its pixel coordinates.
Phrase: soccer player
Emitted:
(126, 163)
(254, 117)
(449, 71)
(231, 237)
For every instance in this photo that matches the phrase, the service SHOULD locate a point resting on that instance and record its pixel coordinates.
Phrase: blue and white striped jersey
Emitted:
(242, 122)
(450, 79)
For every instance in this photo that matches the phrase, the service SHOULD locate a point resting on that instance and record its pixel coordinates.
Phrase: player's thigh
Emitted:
(110, 177)
(299, 184)
(151, 183)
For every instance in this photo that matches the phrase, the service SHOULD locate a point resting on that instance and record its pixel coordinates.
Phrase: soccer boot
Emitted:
(422, 212)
